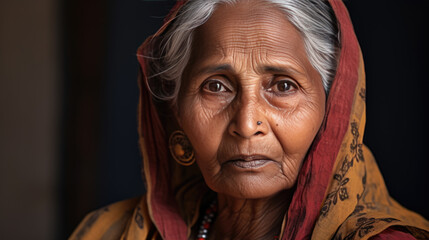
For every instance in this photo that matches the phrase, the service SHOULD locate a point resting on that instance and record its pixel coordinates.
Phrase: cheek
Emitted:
(203, 128)
(299, 127)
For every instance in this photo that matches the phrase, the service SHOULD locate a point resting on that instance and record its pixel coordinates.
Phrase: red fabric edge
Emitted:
(392, 234)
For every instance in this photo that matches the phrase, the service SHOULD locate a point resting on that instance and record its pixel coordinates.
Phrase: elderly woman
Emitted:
(252, 115)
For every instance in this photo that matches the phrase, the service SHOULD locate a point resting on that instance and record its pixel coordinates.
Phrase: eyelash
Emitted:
(291, 84)
(205, 86)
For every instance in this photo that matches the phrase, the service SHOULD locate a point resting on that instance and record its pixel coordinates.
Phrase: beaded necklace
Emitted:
(208, 220)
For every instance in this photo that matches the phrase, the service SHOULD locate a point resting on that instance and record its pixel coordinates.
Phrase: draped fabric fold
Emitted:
(340, 193)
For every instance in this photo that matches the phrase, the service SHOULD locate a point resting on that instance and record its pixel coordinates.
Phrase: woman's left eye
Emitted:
(283, 86)
(214, 86)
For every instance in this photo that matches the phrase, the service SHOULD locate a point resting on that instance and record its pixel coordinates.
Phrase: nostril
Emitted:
(238, 134)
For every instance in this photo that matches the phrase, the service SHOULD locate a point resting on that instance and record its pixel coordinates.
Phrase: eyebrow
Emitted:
(216, 68)
(276, 69)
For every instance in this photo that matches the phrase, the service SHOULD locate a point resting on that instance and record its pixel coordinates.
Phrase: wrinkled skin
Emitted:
(249, 64)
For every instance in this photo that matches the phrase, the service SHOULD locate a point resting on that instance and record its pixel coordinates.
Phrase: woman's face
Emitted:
(249, 66)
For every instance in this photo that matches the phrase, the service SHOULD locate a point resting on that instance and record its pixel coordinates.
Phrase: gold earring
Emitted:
(181, 149)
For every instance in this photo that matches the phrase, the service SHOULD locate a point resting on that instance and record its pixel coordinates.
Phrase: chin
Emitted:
(250, 186)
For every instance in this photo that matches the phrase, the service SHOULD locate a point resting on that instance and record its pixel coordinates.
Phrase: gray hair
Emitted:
(314, 19)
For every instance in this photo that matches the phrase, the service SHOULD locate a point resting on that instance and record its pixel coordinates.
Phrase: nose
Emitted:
(248, 120)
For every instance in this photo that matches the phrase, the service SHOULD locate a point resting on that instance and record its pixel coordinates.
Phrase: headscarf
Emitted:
(340, 193)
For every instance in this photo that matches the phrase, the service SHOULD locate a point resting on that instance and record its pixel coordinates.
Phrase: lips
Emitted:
(249, 161)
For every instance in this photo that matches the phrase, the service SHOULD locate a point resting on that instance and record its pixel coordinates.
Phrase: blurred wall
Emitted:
(29, 104)
(101, 158)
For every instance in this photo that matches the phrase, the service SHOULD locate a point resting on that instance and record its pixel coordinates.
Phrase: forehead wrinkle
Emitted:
(255, 36)
(247, 18)
(259, 58)
(259, 33)
(248, 12)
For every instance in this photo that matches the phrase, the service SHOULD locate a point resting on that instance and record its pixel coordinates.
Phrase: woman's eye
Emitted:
(214, 86)
(283, 86)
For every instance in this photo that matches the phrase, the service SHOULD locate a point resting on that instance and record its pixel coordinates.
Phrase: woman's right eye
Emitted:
(214, 86)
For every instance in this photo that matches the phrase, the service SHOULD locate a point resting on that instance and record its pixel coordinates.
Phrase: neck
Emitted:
(250, 218)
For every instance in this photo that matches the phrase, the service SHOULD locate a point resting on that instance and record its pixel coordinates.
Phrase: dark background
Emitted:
(105, 167)
(93, 156)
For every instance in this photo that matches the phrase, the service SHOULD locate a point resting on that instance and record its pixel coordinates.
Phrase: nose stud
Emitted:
(258, 123)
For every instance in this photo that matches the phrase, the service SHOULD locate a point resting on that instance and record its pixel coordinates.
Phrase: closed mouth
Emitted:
(249, 161)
